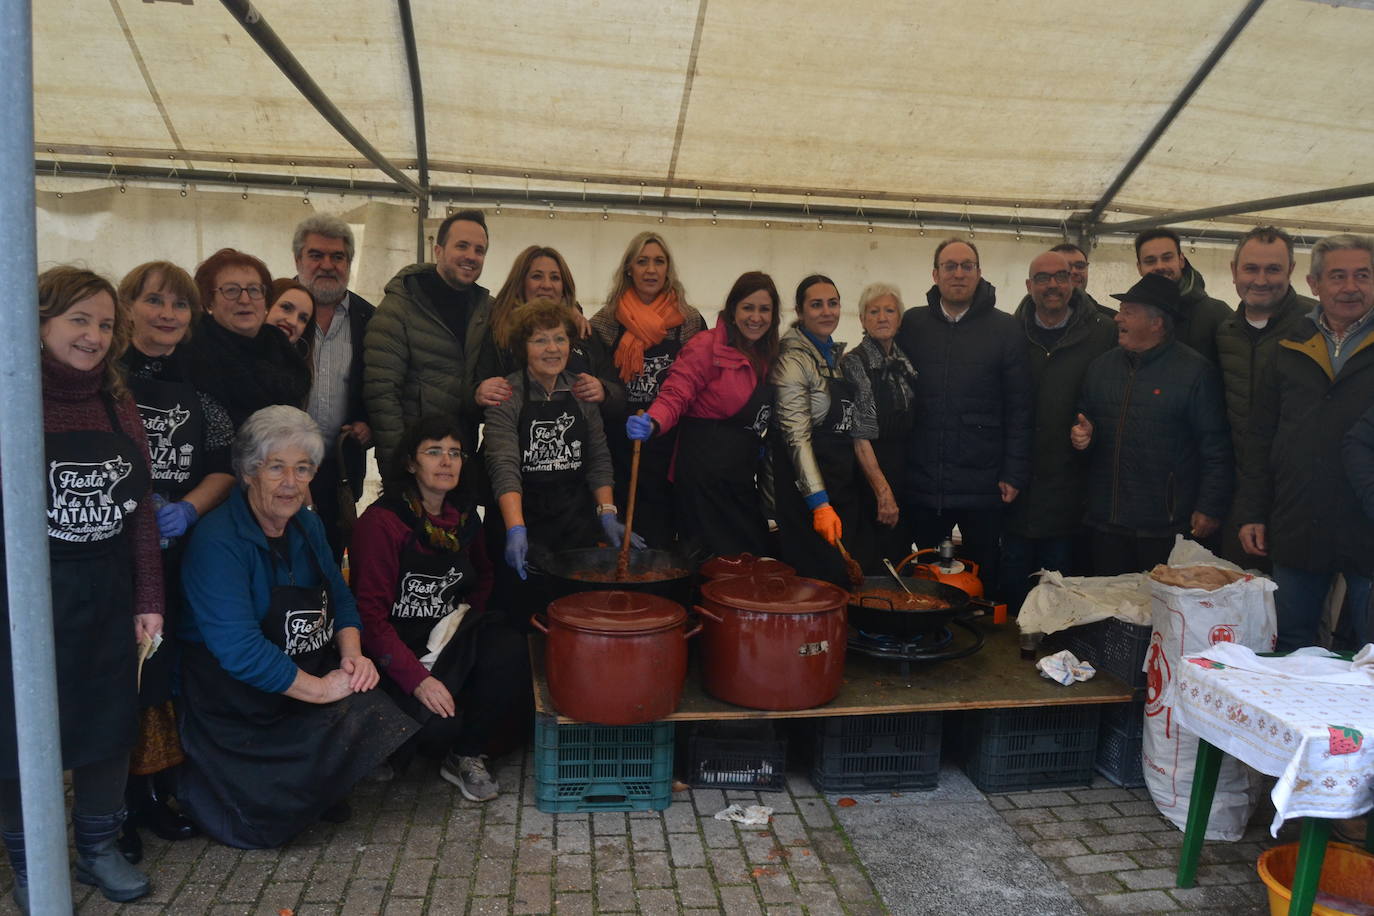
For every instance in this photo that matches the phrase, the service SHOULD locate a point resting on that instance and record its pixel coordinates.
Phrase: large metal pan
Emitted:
(668, 573)
(878, 614)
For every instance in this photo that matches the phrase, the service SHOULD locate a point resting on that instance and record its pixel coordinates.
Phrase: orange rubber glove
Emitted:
(826, 523)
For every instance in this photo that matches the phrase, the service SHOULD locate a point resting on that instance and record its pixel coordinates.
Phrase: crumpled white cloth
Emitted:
(1061, 601)
(1065, 668)
(752, 816)
(1313, 665)
(443, 631)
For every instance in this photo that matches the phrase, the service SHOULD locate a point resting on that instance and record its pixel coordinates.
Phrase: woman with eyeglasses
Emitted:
(422, 577)
(278, 716)
(236, 357)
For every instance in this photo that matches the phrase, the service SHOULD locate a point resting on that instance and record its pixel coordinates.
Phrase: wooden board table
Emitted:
(996, 677)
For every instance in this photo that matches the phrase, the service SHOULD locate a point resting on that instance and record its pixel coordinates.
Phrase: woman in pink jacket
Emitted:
(717, 391)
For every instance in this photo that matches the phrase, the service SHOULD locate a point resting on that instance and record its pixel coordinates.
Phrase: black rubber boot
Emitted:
(155, 812)
(99, 861)
(130, 843)
(14, 845)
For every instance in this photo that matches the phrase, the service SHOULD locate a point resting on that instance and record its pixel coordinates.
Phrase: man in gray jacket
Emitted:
(426, 332)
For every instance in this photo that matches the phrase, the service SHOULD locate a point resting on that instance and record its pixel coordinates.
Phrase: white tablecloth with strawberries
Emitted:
(1313, 730)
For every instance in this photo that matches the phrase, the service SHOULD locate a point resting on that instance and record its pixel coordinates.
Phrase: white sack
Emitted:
(1188, 621)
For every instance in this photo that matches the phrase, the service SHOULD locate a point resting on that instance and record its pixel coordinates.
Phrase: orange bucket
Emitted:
(1347, 873)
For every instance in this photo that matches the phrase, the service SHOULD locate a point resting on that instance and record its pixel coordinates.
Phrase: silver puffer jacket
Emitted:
(802, 401)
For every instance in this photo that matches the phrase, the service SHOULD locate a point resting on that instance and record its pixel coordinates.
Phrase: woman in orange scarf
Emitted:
(644, 323)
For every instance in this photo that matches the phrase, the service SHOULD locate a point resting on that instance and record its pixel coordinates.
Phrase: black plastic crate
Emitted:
(1011, 750)
(1113, 646)
(873, 753)
(737, 755)
(1119, 744)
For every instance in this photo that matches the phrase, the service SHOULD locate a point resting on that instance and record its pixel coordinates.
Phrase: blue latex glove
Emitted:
(517, 547)
(174, 519)
(615, 532)
(639, 426)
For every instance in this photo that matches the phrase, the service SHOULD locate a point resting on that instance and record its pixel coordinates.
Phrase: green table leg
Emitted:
(1311, 851)
(1199, 809)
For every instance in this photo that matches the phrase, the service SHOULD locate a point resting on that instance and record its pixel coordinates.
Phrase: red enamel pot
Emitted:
(615, 657)
(773, 642)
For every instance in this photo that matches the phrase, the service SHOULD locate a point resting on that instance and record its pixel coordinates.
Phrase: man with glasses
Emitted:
(1296, 504)
(1078, 273)
(969, 451)
(426, 334)
(1160, 251)
(1063, 333)
(1269, 310)
(323, 248)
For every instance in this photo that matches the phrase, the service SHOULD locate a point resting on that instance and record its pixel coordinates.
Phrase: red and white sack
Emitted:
(1187, 621)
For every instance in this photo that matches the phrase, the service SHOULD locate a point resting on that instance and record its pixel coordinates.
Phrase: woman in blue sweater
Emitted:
(279, 719)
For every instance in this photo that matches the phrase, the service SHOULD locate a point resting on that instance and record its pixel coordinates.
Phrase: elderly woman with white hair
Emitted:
(884, 408)
(279, 719)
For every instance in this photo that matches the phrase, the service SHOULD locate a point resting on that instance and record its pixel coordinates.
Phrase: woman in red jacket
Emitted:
(421, 575)
(717, 392)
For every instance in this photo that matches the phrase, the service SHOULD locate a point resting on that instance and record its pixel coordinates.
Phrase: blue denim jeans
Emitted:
(1302, 595)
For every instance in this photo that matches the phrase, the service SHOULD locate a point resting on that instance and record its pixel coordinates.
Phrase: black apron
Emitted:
(559, 510)
(430, 585)
(174, 422)
(833, 447)
(714, 477)
(95, 480)
(890, 450)
(654, 504)
(261, 767)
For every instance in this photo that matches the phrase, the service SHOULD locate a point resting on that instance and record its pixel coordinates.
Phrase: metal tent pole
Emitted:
(25, 502)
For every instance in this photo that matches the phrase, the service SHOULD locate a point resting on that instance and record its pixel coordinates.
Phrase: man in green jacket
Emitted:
(1064, 332)
(1160, 251)
(1269, 310)
(426, 333)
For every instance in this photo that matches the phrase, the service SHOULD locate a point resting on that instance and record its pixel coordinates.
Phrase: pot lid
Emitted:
(616, 612)
(775, 594)
(744, 564)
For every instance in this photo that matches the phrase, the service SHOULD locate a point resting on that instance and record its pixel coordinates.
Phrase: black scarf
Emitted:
(246, 374)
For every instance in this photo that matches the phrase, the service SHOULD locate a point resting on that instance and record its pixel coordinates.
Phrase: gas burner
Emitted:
(935, 645)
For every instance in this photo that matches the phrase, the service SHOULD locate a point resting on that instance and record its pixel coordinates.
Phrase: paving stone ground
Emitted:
(415, 846)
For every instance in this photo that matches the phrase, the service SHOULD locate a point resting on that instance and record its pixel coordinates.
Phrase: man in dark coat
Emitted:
(1062, 333)
(1152, 413)
(1269, 310)
(1296, 503)
(969, 450)
(1160, 251)
(323, 248)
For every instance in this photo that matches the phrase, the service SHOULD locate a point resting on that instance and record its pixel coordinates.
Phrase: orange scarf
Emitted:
(645, 326)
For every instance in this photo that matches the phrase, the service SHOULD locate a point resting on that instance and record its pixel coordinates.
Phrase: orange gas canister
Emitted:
(943, 566)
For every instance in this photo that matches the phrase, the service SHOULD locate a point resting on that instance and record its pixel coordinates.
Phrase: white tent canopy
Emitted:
(978, 112)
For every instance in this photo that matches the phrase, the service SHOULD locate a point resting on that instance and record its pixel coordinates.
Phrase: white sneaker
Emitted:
(471, 777)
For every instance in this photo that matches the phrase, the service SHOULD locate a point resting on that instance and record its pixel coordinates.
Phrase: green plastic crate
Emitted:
(581, 767)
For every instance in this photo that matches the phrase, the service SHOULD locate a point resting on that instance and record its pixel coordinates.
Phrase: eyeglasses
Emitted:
(232, 291)
(1078, 265)
(276, 470)
(1061, 276)
(950, 267)
(436, 452)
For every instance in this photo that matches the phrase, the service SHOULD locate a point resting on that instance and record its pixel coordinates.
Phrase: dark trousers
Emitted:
(1299, 601)
(97, 789)
(1023, 557)
(324, 490)
(1116, 553)
(981, 530)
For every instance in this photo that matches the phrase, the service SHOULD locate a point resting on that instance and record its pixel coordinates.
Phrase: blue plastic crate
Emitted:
(582, 767)
(1012, 750)
(877, 753)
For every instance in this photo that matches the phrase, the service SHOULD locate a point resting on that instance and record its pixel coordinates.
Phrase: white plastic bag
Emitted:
(1060, 601)
(1188, 621)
